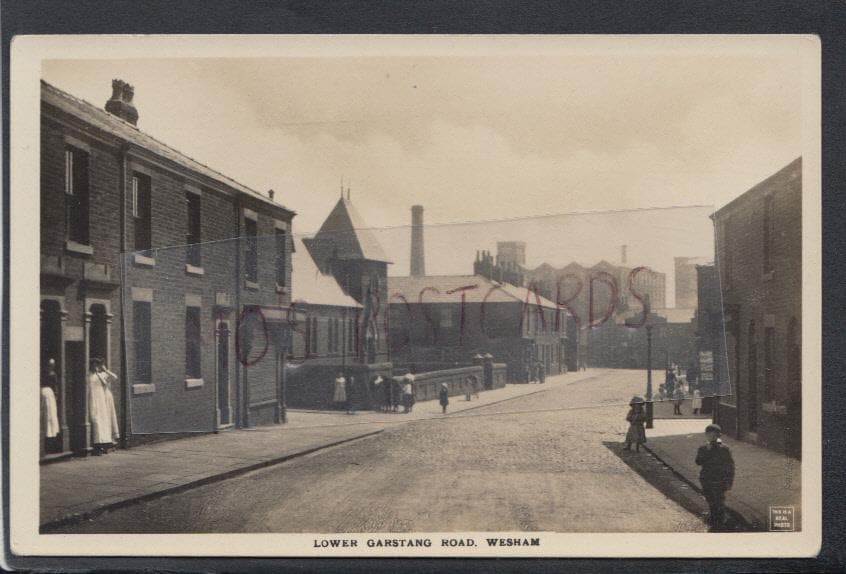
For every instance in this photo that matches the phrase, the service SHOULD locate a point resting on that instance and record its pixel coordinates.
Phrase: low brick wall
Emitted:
(312, 386)
(427, 386)
(499, 375)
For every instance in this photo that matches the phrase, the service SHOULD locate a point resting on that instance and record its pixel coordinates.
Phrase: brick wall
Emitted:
(766, 300)
(64, 270)
(173, 402)
(429, 336)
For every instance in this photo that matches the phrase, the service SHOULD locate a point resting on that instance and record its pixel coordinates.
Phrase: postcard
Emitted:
(418, 296)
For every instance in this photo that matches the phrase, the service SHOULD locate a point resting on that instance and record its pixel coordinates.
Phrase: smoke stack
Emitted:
(418, 266)
(623, 254)
(120, 104)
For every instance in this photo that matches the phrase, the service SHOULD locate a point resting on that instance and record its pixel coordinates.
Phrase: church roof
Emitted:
(310, 286)
(344, 235)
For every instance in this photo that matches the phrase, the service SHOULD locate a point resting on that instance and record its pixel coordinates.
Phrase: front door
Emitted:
(752, 389)
(224, 411)
(77, 396)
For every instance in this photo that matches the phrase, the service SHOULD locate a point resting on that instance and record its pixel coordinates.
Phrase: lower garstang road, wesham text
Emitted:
(422, 542)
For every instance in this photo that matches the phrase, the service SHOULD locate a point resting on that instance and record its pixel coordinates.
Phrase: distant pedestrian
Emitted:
(408, 393)
(696, 403)
(443, 397)
(527, 373)
(376, 393)
(716, 476)
(678, 399)
(396, 393)
(339, 396)
(636, 418)
(670, 383)
(353, 395)
(541, 373)
(662, 392)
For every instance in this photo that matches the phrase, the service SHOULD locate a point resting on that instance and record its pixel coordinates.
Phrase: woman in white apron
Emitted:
(101, 407)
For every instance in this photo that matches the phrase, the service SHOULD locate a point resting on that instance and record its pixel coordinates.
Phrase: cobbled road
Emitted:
(534, 463)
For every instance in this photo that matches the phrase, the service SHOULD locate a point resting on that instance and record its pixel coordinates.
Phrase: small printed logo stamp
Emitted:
(781, 519)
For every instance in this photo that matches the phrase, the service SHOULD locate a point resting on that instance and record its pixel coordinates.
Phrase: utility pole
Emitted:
(649, 411)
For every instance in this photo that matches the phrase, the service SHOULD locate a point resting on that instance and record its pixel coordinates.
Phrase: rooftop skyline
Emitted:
(478, 135)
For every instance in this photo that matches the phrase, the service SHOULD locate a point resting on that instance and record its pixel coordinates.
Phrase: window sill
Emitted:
(194, 270)
(143, 260)
(251, 285)
(74, 247)
(143, 389)
(775, 408)
(193, 383)
(281, 289)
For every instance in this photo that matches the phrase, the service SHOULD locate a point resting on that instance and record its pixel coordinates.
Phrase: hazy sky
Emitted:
(480, 138)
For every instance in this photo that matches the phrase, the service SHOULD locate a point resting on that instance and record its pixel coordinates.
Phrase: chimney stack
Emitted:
(270, 194)
(418, 266)
(120, 104)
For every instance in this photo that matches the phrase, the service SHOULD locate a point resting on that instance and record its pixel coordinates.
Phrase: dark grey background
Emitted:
(824, 18)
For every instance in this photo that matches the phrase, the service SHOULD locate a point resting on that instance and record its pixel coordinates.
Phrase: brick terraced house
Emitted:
(176, 275)
(759, 259)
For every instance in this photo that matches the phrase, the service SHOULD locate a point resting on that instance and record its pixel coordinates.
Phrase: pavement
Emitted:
(79, 489)
(550, 461)
(544, 460)
(763, 477)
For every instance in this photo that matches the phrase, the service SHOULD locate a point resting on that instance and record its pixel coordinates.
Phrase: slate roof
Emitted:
(110, 123)
(410, 288)
(311, 286)
(344, 235)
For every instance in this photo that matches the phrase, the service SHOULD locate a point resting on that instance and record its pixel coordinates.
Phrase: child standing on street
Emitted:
(696, 403)
(443, 397)
(678, 400)
(636, 418)
(716, 476)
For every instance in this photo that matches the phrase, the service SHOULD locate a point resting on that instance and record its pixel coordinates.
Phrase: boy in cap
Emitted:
(716, 476)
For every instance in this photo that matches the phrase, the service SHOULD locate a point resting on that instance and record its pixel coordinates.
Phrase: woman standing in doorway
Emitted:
(101, 407)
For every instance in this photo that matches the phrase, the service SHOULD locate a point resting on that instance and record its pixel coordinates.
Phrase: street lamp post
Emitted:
(649, 376)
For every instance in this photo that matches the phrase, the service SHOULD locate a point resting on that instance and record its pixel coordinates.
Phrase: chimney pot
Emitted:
(120, 104)
(270, 193)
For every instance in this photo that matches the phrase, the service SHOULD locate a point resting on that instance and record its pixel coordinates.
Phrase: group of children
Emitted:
(388, 394)
(676, 388)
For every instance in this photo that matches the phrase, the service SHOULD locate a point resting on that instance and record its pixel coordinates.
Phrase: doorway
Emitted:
(76, 395)
(752, 390)
(223, 407)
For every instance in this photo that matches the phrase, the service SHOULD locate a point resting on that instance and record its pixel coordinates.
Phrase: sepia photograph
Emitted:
(407, 296)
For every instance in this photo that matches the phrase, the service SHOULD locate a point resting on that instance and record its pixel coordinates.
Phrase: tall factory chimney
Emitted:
(418, 265)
